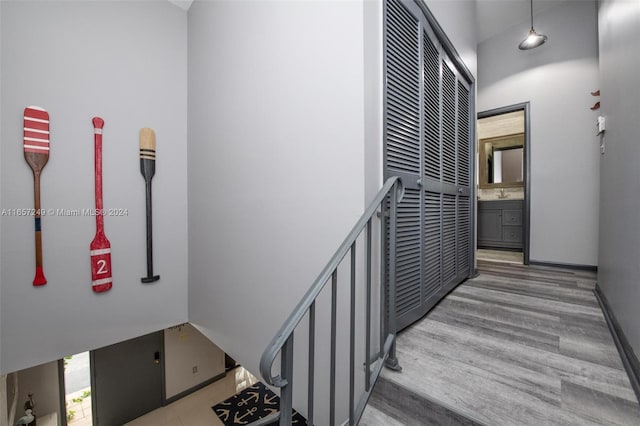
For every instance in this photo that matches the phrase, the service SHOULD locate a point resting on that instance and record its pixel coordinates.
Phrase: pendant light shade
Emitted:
(534, 39)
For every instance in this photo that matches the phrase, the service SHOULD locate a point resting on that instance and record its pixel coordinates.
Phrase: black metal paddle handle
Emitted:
(148, 170)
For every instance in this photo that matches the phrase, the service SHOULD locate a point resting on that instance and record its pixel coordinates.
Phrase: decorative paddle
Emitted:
(148, 169)
(36, 152)
(101, 279)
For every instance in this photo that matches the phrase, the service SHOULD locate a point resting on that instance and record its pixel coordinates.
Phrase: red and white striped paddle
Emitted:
(101, 279)
(36, 152)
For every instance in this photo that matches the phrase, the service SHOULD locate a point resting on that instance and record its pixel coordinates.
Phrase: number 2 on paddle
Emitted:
(102, 267)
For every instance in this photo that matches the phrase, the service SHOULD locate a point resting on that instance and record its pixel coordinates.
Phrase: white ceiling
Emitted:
(495, 16)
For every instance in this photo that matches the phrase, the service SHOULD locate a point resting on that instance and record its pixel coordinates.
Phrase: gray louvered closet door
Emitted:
(427, 144)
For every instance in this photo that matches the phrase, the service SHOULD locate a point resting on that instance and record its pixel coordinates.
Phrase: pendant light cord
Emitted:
(531, 13)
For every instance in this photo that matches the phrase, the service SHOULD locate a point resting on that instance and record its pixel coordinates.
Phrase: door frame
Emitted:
(524, 106)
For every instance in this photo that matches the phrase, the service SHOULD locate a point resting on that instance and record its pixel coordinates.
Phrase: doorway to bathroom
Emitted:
(503, 180)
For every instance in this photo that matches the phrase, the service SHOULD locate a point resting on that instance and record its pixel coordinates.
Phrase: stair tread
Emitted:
(400, 405)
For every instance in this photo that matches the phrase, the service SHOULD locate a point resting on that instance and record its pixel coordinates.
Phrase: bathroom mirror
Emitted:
(501, 162)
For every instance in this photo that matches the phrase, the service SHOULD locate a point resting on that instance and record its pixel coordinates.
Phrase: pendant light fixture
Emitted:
(534, 39)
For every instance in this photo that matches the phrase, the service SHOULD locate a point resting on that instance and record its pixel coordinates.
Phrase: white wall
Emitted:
(373, 96)
(276, 159)
(556, 79)
(618, 271)
(124, 61)
(186, 348)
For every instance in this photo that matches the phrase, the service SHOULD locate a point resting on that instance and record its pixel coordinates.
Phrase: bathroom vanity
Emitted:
(500, 224)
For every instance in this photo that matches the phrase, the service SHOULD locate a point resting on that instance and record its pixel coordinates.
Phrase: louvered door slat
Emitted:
(403, 133)
(448, 124)
(403, 64)
(408, 252)
(464, 179)
(401, 119)
(431, 63)
(463, 135)
(448, 237)
(399, 14)
(464, 231)
(403, 90)
(432, 243)
(404, 109)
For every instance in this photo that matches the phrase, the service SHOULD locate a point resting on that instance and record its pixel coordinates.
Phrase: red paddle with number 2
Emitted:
(101, 279)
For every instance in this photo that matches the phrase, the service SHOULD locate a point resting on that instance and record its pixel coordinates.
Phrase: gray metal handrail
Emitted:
(282, 342)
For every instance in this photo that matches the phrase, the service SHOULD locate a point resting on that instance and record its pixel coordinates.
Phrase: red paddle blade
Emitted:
(101, 279)
(36, 130)
(40, 278)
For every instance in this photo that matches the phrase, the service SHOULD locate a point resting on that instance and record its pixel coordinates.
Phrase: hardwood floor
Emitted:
(518, 345)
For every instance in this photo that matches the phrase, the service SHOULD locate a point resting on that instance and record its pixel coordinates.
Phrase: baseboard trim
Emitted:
(593, 268)
(627, 355)
(182, 394)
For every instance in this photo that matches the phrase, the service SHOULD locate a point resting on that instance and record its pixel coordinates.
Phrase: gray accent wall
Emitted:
(618, 266)
(126, 62)
(556, 79)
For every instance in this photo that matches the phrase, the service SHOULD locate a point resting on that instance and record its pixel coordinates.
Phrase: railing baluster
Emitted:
(352, 334)
(286, 371)
(383, 276)
(312, 343)
(392, 361)
(367, 345)
(332, 377)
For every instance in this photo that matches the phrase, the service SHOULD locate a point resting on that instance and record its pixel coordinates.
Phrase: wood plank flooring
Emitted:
(518, 345)
(500, 256)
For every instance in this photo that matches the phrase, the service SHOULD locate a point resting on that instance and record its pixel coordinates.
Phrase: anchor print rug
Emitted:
(252, 404)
